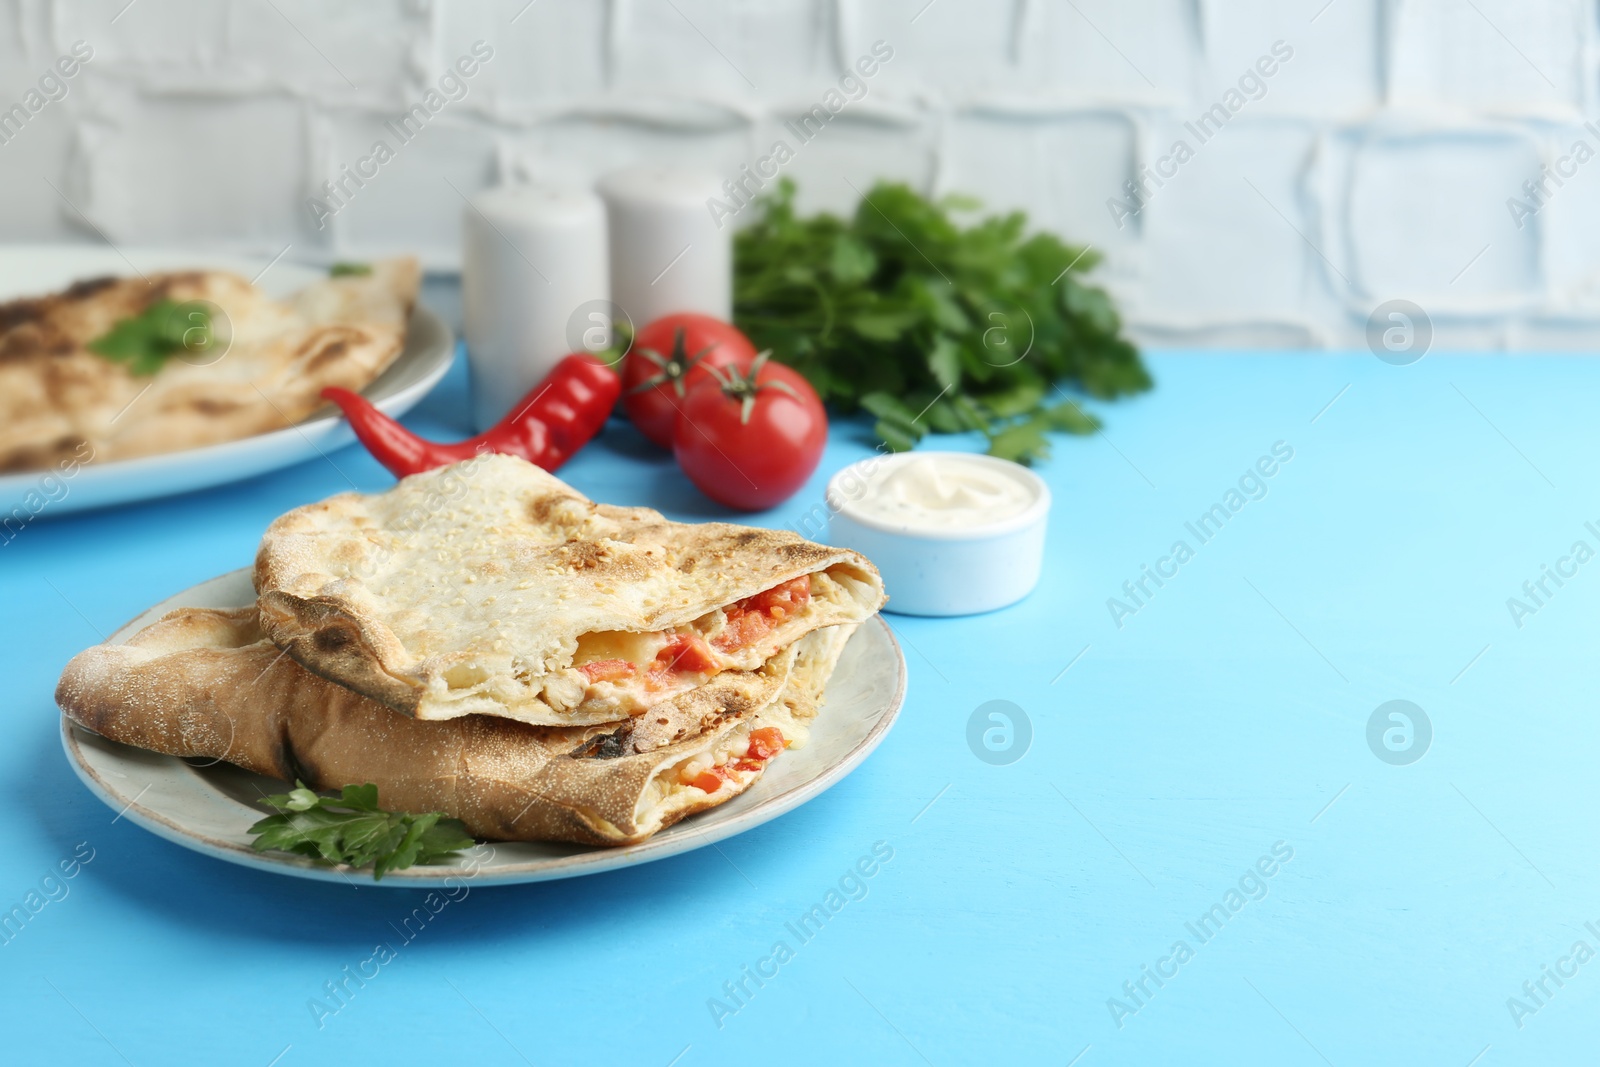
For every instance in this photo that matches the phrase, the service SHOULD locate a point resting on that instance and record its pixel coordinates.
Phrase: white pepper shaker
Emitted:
(668, 254)
(533, 261)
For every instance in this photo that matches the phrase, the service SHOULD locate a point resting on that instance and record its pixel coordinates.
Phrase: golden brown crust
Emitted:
(465, 590)
(58, 399)
(336, 646)
(204, 683)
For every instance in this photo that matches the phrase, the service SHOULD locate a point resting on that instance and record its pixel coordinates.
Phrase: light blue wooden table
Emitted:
(1199, 774)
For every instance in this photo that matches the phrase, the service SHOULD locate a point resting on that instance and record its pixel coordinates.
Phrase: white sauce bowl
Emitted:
(933, 570)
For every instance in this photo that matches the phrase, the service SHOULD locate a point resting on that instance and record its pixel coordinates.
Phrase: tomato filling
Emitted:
(755, 617)
(607, 670)
(710, 781)
(764, 744)
(747, 623)
(684, 652)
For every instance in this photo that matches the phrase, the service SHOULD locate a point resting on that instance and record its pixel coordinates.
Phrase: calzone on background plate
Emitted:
(58, 396)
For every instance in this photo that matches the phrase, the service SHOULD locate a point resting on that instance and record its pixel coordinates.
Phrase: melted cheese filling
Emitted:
(731, 760)
(628, 671)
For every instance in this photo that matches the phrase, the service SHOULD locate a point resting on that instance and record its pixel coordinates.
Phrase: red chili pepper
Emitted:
(547, 426)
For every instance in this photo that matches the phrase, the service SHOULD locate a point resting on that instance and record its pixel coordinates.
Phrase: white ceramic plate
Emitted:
(210, 808)
(32, 271)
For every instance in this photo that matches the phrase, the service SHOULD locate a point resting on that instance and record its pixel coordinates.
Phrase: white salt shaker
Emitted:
(668, 253)
(533, 262)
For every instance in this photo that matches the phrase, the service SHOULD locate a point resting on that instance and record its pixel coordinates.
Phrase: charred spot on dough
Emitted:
(687, 564)
(290, 766)
(332, 639)
(624, 565)
(80, 290)
(540, 507)
(329, 348)
(169, 285)
(735, 705)
(583, 555)
(558, 509)
(329, 352)
(41, 456)
(613, 745)
(19, 343)
(16, 312)
(210, 405)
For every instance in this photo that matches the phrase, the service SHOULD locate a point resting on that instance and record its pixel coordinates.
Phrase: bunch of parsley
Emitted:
(930, 325)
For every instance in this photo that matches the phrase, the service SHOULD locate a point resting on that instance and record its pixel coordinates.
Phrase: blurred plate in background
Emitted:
(38, 270)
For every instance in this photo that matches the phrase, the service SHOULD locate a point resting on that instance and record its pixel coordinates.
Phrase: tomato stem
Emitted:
(674, 368)
(743, 386)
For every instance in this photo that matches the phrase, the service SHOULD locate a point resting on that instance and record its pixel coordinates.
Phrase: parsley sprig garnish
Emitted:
(147, 340)
(924, 322)
(352, 829)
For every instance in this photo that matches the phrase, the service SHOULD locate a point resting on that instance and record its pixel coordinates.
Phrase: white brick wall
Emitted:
(1376, 165)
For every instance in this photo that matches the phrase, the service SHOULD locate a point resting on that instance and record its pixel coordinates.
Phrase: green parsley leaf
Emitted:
(346, 270)
(1070, 418)
(1018, 399)
(944, 361)
(1023, 442)
(351, 829)
(851, 262)
(147, 340)
(883, 326)
(897, 423)
(968, 325)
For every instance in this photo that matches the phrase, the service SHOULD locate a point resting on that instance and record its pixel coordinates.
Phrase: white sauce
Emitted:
(940, 491)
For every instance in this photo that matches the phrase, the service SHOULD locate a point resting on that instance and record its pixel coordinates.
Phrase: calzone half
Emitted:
(493, 588)
(206, 683)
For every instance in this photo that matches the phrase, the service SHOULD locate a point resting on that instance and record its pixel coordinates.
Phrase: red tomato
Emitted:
(668, 357)
(749, 439)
